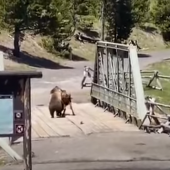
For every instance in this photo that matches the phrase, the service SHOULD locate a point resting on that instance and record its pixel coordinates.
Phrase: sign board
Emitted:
(15, 109)
(11, 121)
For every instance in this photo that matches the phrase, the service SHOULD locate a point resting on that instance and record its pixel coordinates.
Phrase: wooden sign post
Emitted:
(15, 108)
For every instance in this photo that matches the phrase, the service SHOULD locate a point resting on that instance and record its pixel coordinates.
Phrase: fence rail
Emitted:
(159, 118)
(113, 98)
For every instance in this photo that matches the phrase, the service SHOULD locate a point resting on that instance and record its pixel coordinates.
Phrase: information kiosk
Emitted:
(15, 108)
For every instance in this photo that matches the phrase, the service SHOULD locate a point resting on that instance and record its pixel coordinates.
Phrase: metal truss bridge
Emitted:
(117, 82)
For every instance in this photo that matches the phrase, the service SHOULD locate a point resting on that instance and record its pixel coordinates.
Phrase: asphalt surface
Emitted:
(139, 165)
(130, 150)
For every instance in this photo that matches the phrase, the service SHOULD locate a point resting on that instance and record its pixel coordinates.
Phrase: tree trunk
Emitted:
(16, 51)
(103, 20)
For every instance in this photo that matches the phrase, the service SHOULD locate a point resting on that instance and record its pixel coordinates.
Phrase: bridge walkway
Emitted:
(88, 120)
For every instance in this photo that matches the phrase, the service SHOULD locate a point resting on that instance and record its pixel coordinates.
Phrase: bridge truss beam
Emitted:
(117, 83)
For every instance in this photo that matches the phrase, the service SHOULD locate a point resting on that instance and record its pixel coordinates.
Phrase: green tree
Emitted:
(140, 9)
(84, 12)
(110, 15)
(119, 19)
(160, 14)
(16, 19)
(52, 18)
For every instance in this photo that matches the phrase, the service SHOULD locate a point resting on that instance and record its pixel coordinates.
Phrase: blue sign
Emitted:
(6, 115)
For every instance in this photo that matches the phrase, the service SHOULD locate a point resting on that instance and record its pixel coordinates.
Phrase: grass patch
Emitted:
(148, 38)
(2, 162)
(19, 67)
(82, 51)
(164, 69)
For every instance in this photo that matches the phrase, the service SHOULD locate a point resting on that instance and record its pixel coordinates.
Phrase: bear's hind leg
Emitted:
(58, 114)
(52, 112)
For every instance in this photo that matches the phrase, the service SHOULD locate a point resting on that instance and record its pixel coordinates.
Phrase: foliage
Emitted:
(119, 18)
(47, 43)
(85, 12)
(160, 14)
(140, 9)
(58, 19)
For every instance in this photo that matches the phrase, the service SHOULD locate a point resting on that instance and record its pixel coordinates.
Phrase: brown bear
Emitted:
(59, 100)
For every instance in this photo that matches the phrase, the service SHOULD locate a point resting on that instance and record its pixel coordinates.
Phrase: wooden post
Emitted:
(27, 135)
(1, 61)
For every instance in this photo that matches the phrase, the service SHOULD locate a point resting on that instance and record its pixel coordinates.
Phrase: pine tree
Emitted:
(85, 12)
(160, 14)
(119, 19)
(140, 9)
(16, 18)
(52, 18)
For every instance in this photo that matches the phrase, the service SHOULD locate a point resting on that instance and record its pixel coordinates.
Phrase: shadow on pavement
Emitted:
(141, 55)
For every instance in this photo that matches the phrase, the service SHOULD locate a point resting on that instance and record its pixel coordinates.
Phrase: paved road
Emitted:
(139, 165)
(130, 150)
(70, 78)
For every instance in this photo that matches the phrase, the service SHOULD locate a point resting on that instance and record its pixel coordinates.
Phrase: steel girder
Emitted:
(113, 83)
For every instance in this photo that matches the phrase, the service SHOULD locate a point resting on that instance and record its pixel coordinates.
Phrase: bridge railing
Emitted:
(114, 99)
(157, 113)
(118, 83)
